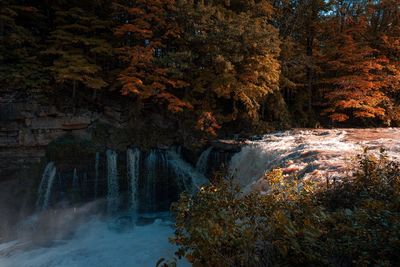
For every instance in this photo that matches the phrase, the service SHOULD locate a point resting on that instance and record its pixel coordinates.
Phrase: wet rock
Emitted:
(228, 145)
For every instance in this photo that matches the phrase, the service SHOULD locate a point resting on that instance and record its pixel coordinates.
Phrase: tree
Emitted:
(78, 48)
(358, 74)
(20, 69)
(299, 24)
(229, 52)
(145, 32)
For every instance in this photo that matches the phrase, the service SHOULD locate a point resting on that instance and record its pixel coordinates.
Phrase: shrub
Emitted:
(354, 222)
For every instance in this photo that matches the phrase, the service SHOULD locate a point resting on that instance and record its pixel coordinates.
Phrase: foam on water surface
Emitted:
(97, 243)
(312, 154)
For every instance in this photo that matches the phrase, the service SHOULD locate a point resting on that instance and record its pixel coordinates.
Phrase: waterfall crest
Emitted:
(310, 154)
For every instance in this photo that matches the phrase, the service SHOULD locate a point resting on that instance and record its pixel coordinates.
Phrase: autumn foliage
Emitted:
(354, 222)
(145, 31)
(360, 74)
(248, 64)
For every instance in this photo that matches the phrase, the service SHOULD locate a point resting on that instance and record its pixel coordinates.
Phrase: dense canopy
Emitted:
(211, 64)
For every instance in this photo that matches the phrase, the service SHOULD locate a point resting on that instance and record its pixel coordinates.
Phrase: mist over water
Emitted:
(77, 238)
(116, 229)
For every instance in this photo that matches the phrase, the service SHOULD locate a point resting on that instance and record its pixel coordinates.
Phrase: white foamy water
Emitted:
(202, 162)
(189, 176)
(46, 186)
(97, 244)
(314, 154)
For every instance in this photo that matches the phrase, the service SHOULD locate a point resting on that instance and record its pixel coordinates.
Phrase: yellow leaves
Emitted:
(300, 228)
(274, 177)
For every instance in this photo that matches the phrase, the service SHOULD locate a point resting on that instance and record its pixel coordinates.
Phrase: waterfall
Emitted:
(133, 162)
(96, 173)
(185, 173)
(297, 151)
(150, 180)
(46, 186)
(75, 181)
(112, 180)
(202, 162)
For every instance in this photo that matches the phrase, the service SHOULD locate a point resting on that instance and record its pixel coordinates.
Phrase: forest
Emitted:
(220, 133)
(211, 67)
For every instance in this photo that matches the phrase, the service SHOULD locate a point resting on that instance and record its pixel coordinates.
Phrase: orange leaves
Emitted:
(177, 83)
(144, 35)
(130, 84)
(360, 73)
(129, 88)
(208, 124)
(174, 104)
(339, 117)
(136, 11)
(157, 87)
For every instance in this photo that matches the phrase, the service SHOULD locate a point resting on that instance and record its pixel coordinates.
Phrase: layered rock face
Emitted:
(26, 128)
(33, 134)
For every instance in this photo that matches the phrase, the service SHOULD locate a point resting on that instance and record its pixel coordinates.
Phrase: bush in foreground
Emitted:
(355, 222)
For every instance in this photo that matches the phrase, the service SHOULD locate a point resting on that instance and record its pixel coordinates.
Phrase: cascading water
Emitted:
(46, 186)
(202, 162)
(151, 184)
(185, 173)
(311, 154)
(133, 163)
(112, 182)
(150, 180)
(75, 181)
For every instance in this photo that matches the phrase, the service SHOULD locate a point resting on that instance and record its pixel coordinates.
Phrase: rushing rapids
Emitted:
(311, 154)
(111, 216)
